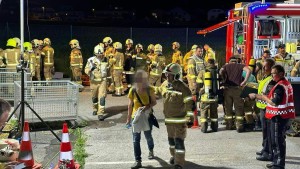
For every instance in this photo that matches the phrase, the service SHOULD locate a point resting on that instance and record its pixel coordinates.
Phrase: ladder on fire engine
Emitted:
(245, 30)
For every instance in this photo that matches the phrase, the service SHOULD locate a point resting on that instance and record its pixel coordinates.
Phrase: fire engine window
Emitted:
(268, 28)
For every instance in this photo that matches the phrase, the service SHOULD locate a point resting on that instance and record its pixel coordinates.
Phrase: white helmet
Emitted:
(177, 45)
(18, 41)
(150, 47)
(107, 40)
(98, 49)
(117, 45)
(139, 46)
(74, 43)
(194, 47)
(173, 68)
(157, 48)
(129, 41)
(101, 44)
(47, 41)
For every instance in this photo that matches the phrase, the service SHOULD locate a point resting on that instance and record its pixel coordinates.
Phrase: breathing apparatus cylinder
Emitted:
(252, 64)
(207, 84)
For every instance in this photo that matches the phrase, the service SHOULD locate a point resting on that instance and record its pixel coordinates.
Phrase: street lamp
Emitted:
(94, 12)
(43, 8)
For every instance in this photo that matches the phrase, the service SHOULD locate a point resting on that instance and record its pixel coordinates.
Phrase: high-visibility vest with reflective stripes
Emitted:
(286, 108)
(262, 87)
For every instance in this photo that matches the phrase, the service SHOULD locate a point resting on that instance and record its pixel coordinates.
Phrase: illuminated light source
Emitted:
(260, 6)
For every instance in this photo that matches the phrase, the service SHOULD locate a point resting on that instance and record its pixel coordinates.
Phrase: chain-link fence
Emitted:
(89, 36)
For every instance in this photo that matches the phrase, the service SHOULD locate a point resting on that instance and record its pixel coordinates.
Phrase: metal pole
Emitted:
(186, 40)
(71, 29)
(130, 32)
(22, 114)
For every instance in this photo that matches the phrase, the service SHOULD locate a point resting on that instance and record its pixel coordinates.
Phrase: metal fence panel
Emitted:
(7, 78)
(51, 100)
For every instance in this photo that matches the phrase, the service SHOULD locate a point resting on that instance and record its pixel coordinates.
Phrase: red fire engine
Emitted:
(254, 26)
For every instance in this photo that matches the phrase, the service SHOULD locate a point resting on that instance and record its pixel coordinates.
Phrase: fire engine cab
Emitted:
(253, 27)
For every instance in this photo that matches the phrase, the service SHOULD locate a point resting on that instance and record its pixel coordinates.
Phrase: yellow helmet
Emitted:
(194, 47)
(47, 41)
(41, 42)
(117, 45)
(139, 46)
(74, 43)
(157, 48)
(150, 47)
(98, 49)
(27, 46)
(18, 41)
(107, 40)
(129, 41)
(11, 42)
(177, 45)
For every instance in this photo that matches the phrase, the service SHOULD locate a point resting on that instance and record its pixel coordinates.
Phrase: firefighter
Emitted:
(2, 60)
(29, 57)
(141, 58)
(47, 60)
(186, 58)
(18, 41)
(209, 99)
(129, 63)
(151, 56)
(284, 59)
(11, 55)
(37, 52)
(177, 56)
(232, 73)
(296, 70)
(117, 65)
(108, 53)
(195, 65)
(76, 61)
(96, 68)
(157, 66)
(177, 99)
(209, 53)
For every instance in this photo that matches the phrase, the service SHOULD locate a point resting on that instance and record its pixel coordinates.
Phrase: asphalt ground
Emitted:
(109, 143)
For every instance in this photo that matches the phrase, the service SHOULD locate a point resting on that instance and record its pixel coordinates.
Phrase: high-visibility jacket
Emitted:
(48, 52)
(76, 58)
(286, 108)
(262, 88)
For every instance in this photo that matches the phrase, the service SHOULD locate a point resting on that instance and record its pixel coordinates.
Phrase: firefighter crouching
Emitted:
(76, 61)
(117, 63)
(177, 101)
(209, 99)
(96, 68)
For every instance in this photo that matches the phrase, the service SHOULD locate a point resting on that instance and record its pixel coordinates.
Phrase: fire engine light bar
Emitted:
(283, 9)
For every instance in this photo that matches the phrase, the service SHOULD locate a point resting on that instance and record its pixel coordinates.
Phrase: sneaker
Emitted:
(101, 118)
(136, 165)
(270, 165)
(151, 155)
(172, 160)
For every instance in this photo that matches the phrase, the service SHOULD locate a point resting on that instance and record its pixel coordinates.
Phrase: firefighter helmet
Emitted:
(107, 40)
(35, 43)
(194, 47)
(157, 48)
(139, 46)
(129, 41)
(150, 47)
(27, 46)
(117, 45)
(41, 42)
(173, 68)
(11, 42)
(98, 49)
(177, 45)
(74, 43)
(47, 41)
(18, 41)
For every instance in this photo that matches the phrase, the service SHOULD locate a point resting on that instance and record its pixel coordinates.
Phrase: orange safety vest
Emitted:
(286, 108)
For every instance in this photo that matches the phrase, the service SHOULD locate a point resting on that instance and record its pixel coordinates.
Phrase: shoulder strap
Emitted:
(138, 97)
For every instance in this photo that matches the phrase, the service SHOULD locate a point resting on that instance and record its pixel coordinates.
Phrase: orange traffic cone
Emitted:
(195, 123)
(25, 154)
(66, 155)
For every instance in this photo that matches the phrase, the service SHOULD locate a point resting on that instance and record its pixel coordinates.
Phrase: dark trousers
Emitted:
(277, 132)
(266, 143)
